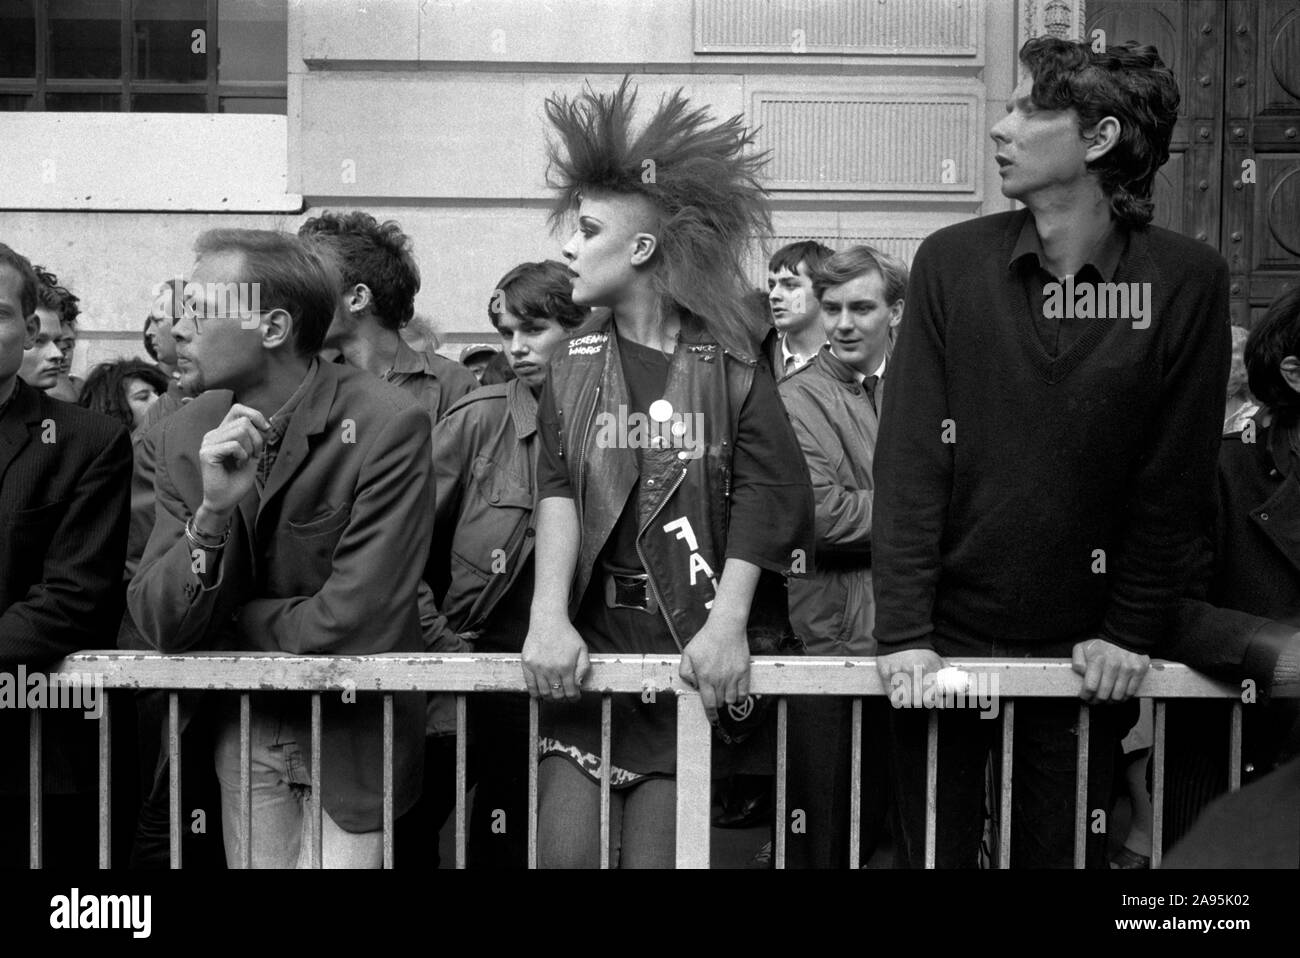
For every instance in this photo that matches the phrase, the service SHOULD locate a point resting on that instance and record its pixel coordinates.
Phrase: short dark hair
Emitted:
(856, 261)
(1128, 81)
(29, 282)
(537, 291)
(1275, 337)
(105, 388)
(376, 254)
(289, 274)
(51, 295)
(809, 252)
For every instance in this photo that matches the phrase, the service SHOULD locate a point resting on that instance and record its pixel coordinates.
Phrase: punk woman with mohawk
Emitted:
(672, 492)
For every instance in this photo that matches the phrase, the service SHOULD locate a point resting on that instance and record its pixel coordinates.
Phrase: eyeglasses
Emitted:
(197, 316)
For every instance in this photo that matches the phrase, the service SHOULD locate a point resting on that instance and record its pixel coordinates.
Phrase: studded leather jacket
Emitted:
(681, 459)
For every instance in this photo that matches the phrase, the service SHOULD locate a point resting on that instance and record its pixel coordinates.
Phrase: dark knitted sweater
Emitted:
(987, 544)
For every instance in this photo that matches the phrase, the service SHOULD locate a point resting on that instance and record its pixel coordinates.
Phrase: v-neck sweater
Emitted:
(1025, 502)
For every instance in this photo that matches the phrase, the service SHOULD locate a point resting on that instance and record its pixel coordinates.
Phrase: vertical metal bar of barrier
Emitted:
(462, 776)
(317, 801)
(694, 781)
(855, 786)
(533, 745)
(1158, 787)
(388, 780)
(1008, 770)
(606, 715)
(1081, 789)
(782, 767)
(246, 779)
(35, 786)
(105, 785)
(931, 787)
(1234, 748)
(174, 778)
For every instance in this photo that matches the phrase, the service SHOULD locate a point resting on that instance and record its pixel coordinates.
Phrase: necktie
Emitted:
(869, 387)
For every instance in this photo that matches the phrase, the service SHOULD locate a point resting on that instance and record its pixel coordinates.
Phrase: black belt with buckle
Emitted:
(624, 591)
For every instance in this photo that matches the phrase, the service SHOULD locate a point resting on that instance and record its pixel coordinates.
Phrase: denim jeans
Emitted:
(642, 820)
(282, 799)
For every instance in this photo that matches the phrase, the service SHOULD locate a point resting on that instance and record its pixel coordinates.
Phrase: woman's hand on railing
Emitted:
(715, 663)
(903, 674)
(1110, 673)
(554, 659)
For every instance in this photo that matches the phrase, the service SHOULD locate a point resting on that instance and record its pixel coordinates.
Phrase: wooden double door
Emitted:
(1233, 176)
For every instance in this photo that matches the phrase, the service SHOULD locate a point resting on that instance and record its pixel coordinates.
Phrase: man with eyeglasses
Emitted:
(294, 514)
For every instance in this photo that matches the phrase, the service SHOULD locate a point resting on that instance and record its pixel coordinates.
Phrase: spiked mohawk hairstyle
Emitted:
(700, 174)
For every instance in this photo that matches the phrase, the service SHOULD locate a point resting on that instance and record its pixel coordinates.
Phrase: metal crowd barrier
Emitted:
(466, 673)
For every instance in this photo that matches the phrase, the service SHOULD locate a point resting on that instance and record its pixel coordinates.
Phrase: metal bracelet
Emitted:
(201, 541)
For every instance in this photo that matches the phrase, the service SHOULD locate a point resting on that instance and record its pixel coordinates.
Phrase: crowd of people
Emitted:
(660, 459)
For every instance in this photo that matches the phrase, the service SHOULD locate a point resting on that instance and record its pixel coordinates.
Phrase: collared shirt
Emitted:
(1058, 334)
(279, 425)
(432, 380)
(878, 375)
(1237, 421)
(869, 383)
(791, 361)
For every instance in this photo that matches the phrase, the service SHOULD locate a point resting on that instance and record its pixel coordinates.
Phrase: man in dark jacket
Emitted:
(293, 515)
(64, 477)
(1046, 446)
(1242, 622)
(833, 403)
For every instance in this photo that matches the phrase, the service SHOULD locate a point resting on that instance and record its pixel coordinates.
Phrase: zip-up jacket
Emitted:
(832, 608)
(685, 477)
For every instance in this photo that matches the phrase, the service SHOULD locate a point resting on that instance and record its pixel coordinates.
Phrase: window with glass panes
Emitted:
(144, 56)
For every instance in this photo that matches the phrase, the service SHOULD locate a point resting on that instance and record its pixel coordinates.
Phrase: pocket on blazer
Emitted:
(42, 520)
(303, 558)
(334, 521)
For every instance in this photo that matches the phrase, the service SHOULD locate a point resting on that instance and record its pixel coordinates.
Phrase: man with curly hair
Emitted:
(1043, 466)
(43, 360)
(377, 299)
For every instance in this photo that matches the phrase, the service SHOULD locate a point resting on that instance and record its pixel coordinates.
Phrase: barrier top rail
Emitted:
(500, 672)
